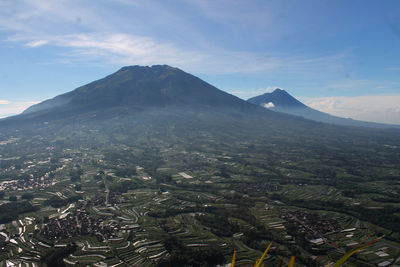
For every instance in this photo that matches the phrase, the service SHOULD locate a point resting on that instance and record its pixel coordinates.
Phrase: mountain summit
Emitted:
(276, 100)
(137, 86)
(146, 92)
(281, 101)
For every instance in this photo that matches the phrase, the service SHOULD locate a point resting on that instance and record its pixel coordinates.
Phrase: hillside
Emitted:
(136, 86)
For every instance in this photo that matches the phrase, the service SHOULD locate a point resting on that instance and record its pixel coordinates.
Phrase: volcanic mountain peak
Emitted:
(278, 98)
(281, 101)
(158, 85)
(134, 90)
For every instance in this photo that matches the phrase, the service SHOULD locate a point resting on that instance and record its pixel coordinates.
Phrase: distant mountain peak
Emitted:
(278, 90)
(275, 99)
(281, 101)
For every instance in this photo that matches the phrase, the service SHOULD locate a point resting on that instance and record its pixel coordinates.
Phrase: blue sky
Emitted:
(342, 57)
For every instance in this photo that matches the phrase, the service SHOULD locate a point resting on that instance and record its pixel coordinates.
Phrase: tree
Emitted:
(75, 176)
(27, 196)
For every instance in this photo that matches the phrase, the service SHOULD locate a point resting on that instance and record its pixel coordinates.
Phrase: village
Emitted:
(313, 225)
(104, 212)
(77, 223)
(29, 184)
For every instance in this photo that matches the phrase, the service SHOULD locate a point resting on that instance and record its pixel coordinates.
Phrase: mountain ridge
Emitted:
(135, 89)
(158, 85)
(161, 88)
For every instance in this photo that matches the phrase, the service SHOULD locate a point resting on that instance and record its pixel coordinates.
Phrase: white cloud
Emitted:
(37, 43)
(127, 49)
(117, 48)
(86, 37)
(377, 108)
(269, 105)
(9, 108)
(354, 87)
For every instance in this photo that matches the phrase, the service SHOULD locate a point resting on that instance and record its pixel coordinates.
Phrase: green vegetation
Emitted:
(184, 256)
(11, 211)
(57, 202)
(144, 186)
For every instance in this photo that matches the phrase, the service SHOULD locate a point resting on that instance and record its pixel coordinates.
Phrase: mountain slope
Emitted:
(156, 86)
(279, 100)
(132, 90)
(147, 94)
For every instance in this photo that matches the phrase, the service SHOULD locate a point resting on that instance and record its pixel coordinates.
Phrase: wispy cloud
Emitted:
(237, 14)
(122, 48)
(9, 108)
(85, 35)
(376, 108)
(356, 87)
(37, 43)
